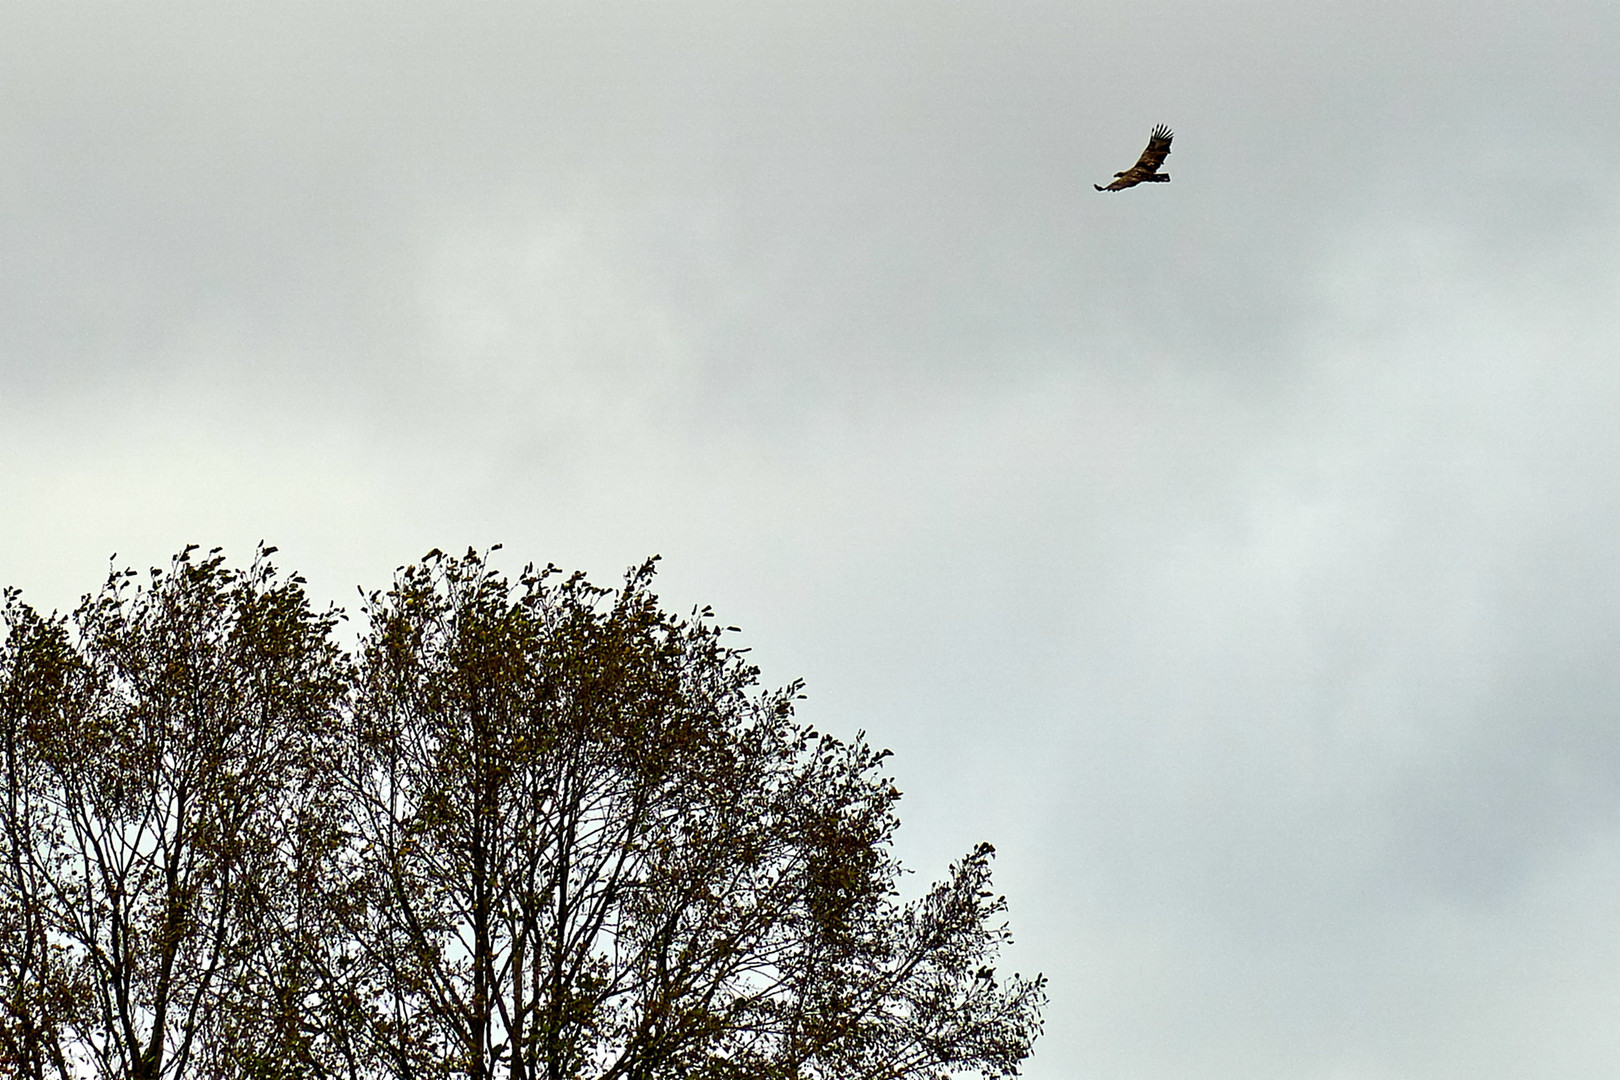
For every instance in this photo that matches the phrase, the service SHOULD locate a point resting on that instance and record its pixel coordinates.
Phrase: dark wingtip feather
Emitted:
(1162, 132)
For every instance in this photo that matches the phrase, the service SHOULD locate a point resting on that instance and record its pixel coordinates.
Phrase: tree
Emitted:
(533, 829)
(157, 765)
(594, 849)
(39, 993)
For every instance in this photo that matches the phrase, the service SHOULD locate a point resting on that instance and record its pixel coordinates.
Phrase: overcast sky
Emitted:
(1237, 554)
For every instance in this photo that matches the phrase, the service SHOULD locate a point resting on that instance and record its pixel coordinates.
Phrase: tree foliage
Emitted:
(533, 829)
(154, 767)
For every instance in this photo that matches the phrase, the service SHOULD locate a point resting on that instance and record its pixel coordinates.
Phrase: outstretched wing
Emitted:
(1158, 148)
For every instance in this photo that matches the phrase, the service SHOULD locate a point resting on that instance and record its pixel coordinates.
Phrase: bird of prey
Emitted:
(1146, 169)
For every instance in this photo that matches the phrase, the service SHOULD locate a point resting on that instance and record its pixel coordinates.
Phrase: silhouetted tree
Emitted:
(159, 763)
(41, 992)
(532, 829)
(595, 849)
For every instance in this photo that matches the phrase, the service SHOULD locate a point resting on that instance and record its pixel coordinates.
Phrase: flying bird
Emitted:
(1146, 169)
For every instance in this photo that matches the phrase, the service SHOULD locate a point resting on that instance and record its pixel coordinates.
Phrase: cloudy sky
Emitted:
(1237, 554)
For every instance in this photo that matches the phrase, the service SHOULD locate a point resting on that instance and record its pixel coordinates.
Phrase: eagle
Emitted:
(1146, 169)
